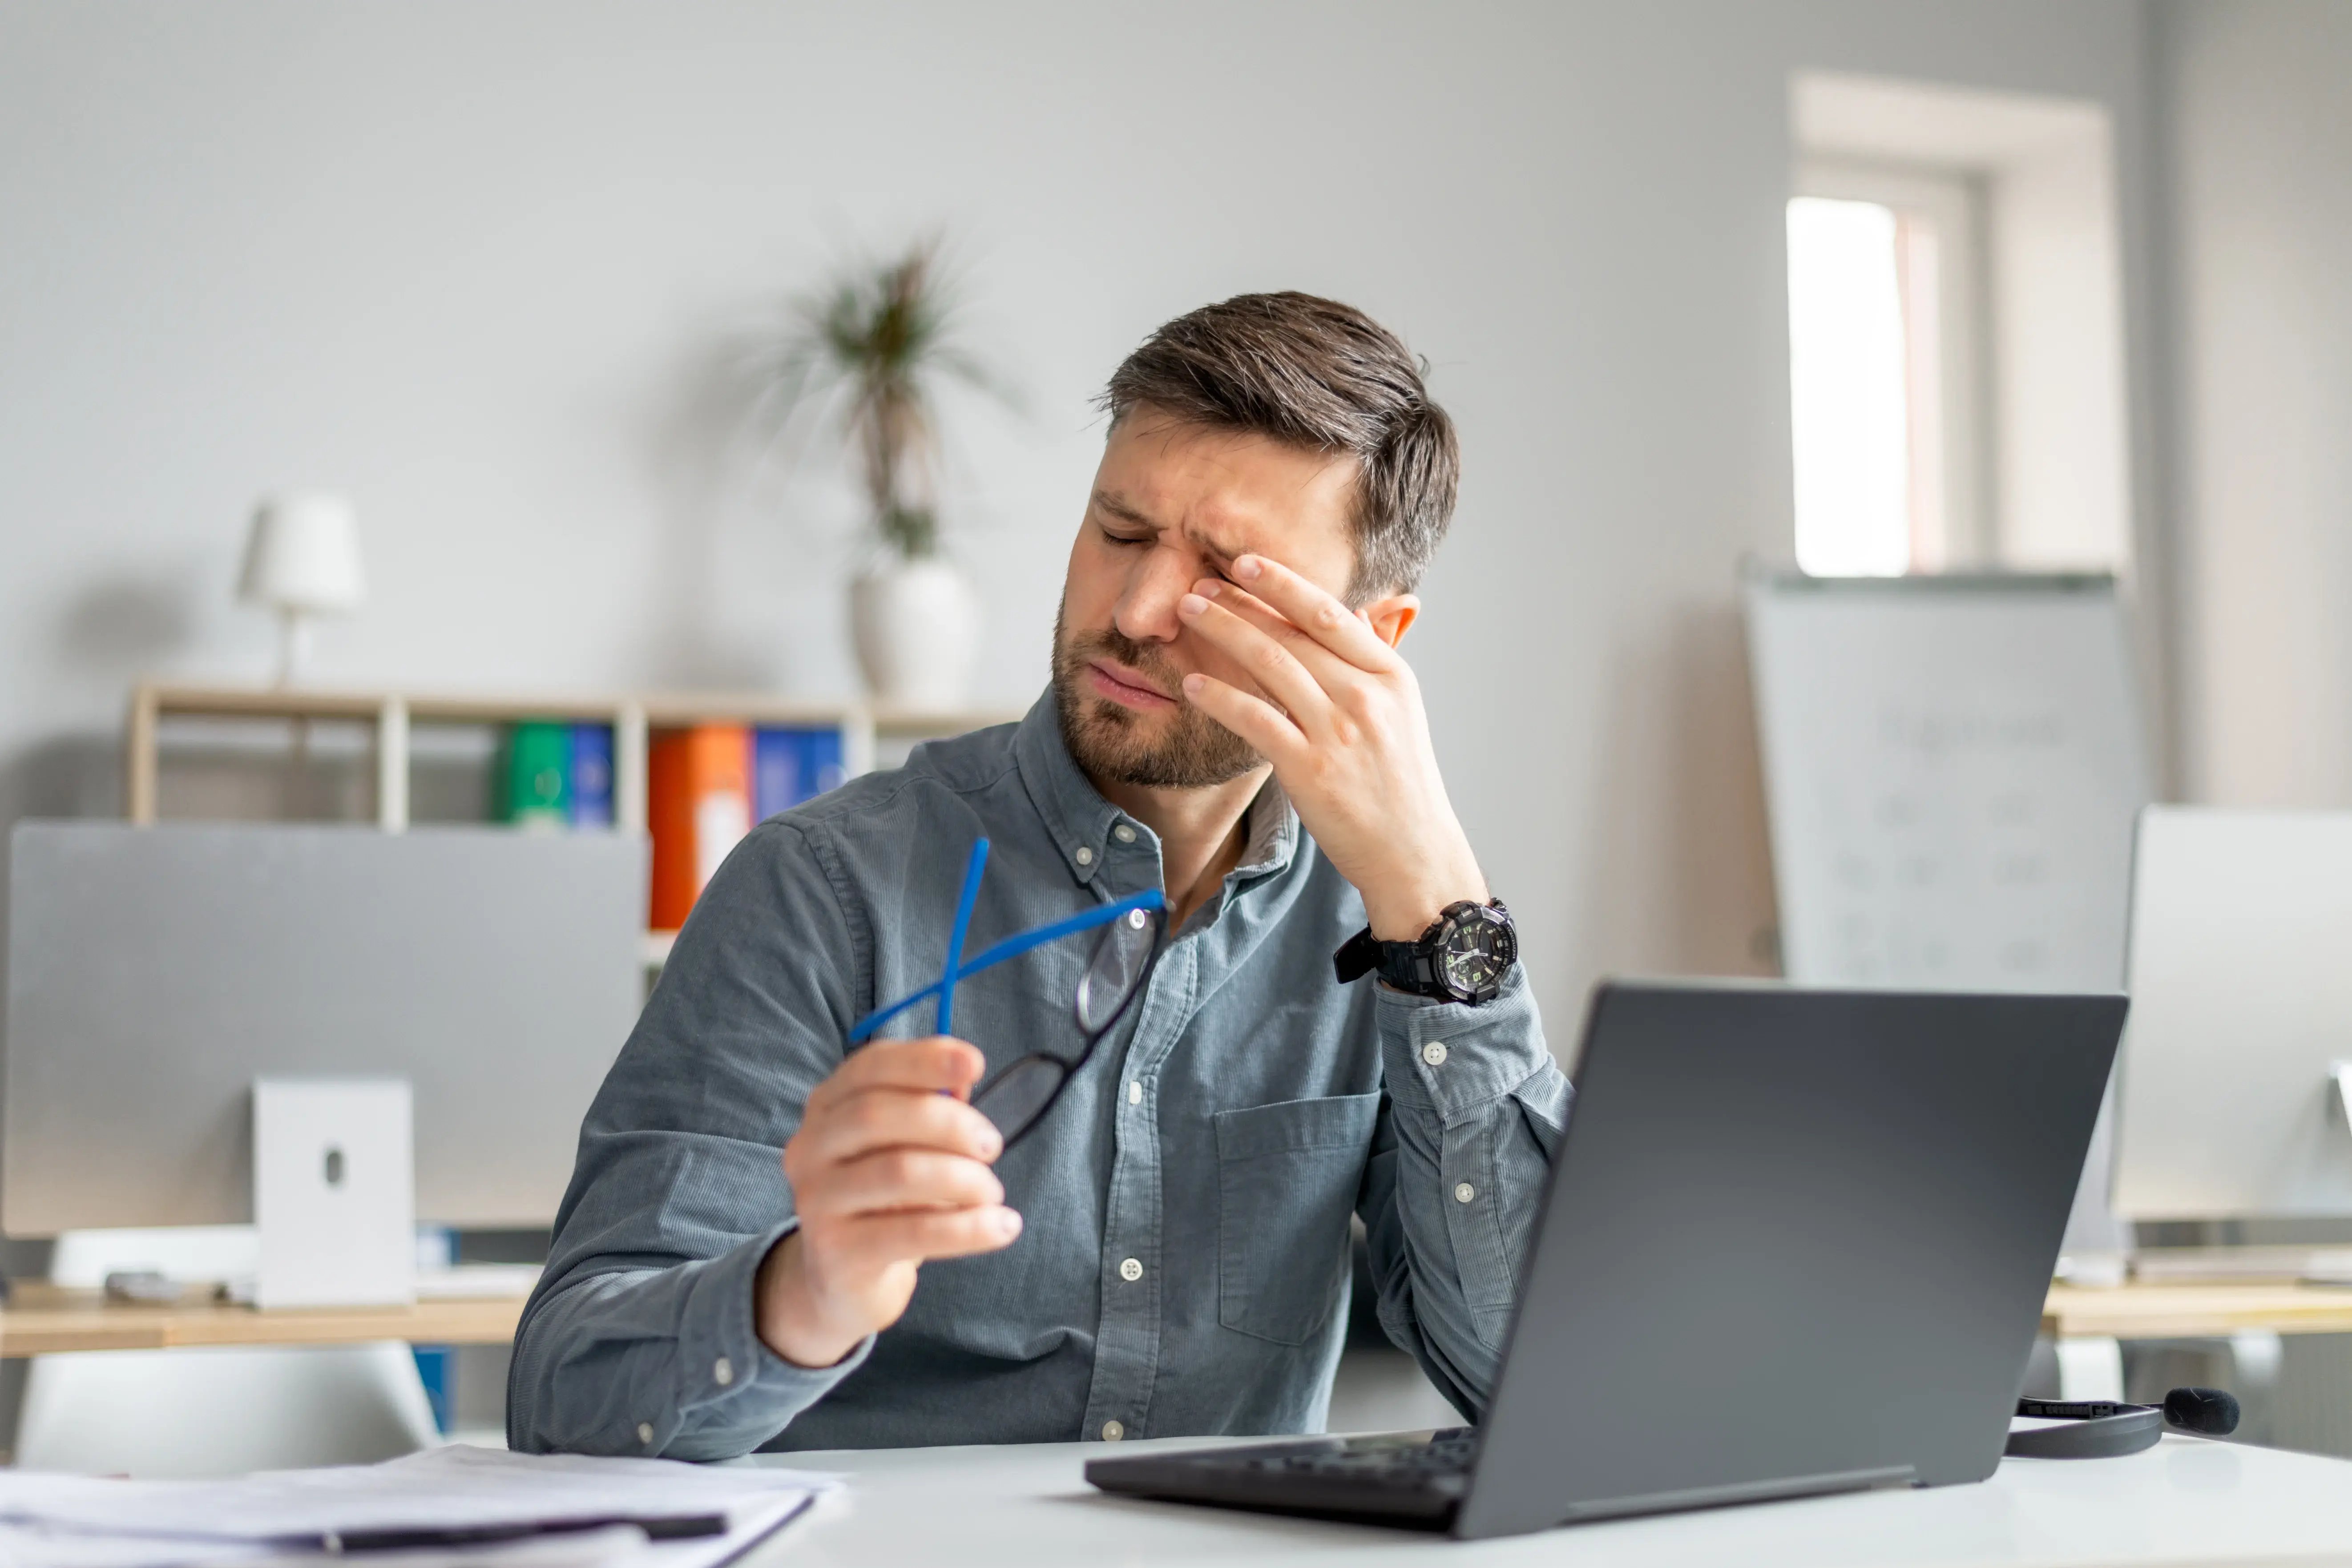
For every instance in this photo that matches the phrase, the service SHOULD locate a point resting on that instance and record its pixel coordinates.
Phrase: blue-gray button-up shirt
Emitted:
(1184, 1267)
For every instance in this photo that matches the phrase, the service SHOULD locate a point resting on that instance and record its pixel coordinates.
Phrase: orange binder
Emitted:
(698, 806)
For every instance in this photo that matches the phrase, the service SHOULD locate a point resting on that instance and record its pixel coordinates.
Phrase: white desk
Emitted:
(2182, 1501)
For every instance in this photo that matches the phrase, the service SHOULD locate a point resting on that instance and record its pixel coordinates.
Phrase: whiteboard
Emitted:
(1952, 766)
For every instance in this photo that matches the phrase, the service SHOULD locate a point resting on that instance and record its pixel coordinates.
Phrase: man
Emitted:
(1164, 1250)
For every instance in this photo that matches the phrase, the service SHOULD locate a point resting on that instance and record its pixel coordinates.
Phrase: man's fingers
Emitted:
(935, 1062)
(1330, 672)
(1252, 718)
(892, 1179)
(874, 1241)
(1315, 612)
(1275, 669)
(886, 1117)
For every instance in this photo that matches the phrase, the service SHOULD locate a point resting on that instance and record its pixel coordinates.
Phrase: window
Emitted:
(1883, 348)
(1956, 331)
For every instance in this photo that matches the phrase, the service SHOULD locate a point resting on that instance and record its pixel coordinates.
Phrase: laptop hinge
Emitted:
(1744, 1491)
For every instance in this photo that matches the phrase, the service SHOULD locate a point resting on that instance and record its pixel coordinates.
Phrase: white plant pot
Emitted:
(917, 627)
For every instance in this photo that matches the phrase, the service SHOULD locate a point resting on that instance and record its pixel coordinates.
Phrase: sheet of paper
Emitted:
(441, 1488)
(622, 1546)
(33, 1546)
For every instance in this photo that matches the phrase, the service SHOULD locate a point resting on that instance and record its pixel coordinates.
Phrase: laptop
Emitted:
(1794, 1242)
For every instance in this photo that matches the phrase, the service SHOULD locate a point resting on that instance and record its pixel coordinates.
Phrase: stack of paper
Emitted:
(445, 1507)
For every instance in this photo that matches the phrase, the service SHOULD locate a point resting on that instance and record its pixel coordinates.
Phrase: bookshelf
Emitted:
(633, 717)
(389, 718)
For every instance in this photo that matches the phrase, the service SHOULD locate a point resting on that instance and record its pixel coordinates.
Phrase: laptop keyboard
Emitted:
(1446, 1454)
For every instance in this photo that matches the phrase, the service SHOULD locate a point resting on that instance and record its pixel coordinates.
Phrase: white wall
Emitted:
(2260, 129)
(476, 264)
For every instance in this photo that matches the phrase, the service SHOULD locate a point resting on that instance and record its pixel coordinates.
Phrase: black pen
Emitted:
(658, 1527)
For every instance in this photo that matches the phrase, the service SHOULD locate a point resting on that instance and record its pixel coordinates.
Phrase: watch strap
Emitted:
(1410, 966)
(1407, 965)
(1357, 957)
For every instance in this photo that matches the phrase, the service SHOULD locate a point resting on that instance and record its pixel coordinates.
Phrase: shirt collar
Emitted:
(1272, 824)
(1080, 819)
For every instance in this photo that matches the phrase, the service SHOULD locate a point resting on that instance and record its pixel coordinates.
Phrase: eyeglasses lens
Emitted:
(1019, 1095)
(1118, 967)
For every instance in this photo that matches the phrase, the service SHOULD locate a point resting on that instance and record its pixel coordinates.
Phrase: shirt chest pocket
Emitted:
(1286, 1181)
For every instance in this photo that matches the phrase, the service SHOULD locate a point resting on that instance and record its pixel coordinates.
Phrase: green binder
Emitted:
(536, 787)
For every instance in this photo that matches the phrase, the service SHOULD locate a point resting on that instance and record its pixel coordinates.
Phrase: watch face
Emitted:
(1476, 954)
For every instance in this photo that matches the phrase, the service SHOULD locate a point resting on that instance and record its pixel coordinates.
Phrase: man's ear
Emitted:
(1392, 615)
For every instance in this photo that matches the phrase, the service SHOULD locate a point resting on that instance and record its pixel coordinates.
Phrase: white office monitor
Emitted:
(155, 973)
(2241, 980)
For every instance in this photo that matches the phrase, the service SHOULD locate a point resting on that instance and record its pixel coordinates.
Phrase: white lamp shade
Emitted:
(304, 555)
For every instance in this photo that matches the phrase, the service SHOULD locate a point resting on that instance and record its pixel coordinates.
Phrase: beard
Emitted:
(1184, 749)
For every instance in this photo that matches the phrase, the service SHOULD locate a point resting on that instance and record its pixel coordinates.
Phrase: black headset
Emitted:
(2102, 1428)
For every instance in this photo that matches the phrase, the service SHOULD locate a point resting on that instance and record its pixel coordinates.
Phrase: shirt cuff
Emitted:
(1454, 1057)
(731, 1378)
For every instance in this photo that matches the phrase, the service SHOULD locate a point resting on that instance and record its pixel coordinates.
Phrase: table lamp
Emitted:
(302, 560)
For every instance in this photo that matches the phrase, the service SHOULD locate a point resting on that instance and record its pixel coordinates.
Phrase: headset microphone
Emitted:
(2101, 1429)
(2208, 1411)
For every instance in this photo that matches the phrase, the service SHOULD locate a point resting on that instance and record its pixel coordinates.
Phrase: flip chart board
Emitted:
(1952, 766)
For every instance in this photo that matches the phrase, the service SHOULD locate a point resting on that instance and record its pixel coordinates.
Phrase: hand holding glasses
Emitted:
(1018, 1097)
(889, 1168)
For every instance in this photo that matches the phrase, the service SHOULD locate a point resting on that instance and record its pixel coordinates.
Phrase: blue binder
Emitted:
(591, 775)
(789, 766)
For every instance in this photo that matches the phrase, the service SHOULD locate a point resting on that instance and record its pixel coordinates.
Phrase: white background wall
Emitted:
(479, 266)
(2260, 118)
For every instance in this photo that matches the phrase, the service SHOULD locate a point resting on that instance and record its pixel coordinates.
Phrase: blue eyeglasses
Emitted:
(1018, 1099)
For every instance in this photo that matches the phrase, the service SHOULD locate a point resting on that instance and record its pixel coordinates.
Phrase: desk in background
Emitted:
(2171, 1312)
(39, 1320)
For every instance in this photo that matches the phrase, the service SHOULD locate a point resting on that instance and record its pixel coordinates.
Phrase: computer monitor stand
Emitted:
(334, 1191)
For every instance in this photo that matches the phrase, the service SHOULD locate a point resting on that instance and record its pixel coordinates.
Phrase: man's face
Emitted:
(1173, 503)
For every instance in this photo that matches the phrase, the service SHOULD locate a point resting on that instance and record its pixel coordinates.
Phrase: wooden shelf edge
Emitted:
(667, 708)
(165, 700)
(96, 1325)
(921, 722)
(2195, 1311)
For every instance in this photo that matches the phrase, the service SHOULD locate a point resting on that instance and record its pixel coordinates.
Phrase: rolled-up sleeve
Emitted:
(1476, 1108)
(641, 1337)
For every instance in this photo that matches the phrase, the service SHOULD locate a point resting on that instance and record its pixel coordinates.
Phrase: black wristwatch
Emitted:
(1462, 957)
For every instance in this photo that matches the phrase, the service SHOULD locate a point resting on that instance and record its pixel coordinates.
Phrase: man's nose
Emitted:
(1147, 611)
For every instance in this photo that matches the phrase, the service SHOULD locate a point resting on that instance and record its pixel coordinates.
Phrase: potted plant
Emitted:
(867, 354)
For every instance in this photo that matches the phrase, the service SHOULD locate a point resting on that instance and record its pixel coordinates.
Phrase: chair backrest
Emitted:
(222, 1411)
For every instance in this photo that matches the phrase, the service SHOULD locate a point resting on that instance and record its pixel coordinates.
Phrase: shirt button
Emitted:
(1463, 1192)
(1113, 1431)
(645, 1433)
(1434, 1053)
(1130, 1271)
(722, 1371)
(1123, 833)
(1135, 1094)
(1084, 856)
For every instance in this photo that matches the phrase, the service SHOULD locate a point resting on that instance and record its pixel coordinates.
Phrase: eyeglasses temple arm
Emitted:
(1101, 914)
(964, 901)
(1011, 947)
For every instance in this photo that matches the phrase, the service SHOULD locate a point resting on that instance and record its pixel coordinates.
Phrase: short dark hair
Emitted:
(1316, 374)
